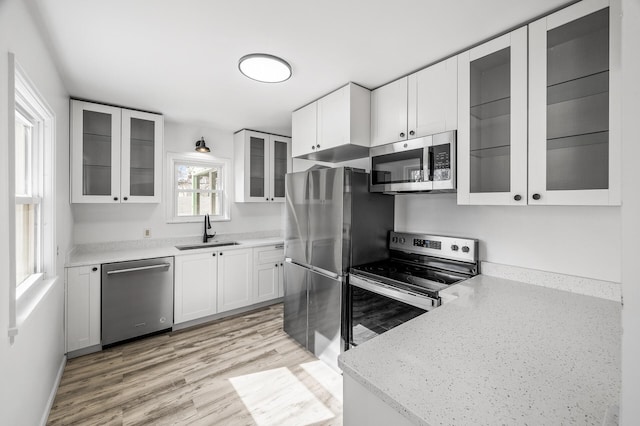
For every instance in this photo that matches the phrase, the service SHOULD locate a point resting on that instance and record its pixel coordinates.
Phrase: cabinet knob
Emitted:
(276, 265)
(536, 196)
(221, 253)
(94, 269)
(271, 199)
(412, 133)
(405, 145)
(125, 198)
(115, 198)
(313, 147)
(402, 134)
(267, 198)
(213, 254)
(318, 146)
(281, 264)
(517, 197)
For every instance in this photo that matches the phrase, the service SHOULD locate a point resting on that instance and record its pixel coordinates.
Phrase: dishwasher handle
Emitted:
(141, 268)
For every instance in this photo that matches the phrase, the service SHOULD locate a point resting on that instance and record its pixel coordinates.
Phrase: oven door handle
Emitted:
(422, 302)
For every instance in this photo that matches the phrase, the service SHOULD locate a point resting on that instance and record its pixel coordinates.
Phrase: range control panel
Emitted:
(464, 249)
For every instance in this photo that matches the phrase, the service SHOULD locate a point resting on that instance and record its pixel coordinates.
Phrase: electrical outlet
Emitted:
(146, 233)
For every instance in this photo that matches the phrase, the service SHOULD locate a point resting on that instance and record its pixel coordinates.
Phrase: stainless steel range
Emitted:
(384, 294)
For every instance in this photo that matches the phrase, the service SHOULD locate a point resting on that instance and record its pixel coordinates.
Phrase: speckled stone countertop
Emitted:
(502, 352)
(91, 254)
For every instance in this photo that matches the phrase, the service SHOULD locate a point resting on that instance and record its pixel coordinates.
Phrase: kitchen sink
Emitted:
(207, 245)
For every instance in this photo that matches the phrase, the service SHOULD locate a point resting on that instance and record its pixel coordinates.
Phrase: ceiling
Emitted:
(180, 57)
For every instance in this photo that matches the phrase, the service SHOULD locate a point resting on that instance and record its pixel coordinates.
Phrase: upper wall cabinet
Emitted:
(574, 105)
(570, 154)
(421, 104)
(261, 162)
(116, 154)
(335, 127)
(492, 121)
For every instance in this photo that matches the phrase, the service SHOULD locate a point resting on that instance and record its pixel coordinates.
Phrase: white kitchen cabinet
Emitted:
(340, 122)
(116, 154)
(261, 162)
(492, 121)
(552, 135)
(195, 286)
(389, 111)
(82, 307)
(304, 130)
(574, 105)
(421, 104)
(235, 275)
(268, 277)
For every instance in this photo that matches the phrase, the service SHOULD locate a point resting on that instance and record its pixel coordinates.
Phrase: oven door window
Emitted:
(373, 314)
(399, 167)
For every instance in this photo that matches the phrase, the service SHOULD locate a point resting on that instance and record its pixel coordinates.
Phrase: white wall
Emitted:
(581, 241)
(28, 368)
(118, 222)
(630, 409)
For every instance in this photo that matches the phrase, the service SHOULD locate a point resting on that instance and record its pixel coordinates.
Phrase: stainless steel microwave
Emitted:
(422, 164)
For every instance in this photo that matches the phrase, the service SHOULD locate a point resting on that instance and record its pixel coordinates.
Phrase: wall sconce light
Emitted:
(201, 146)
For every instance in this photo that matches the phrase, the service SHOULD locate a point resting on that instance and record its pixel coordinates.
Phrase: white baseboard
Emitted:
(54, 390)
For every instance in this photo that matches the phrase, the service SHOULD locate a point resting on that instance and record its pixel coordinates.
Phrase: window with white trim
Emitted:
(32, 236)
(28, 192)
(198, 186)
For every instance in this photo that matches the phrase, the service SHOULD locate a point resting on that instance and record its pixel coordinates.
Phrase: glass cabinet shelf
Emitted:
(494, 151)
(492, 109)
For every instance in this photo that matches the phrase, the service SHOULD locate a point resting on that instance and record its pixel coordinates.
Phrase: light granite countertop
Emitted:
(121, 251)
(500, 352)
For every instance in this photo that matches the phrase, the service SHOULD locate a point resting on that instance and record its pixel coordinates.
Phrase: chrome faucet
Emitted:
(207, 225)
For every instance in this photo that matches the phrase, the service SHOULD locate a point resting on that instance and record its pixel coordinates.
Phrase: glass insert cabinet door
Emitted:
(261, 162)
(492, 121)
(141, 157)
(574, 148)
(281, 165)
(95, 153)
(116, 154)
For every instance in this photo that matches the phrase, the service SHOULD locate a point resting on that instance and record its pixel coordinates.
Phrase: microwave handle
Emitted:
(430, 165)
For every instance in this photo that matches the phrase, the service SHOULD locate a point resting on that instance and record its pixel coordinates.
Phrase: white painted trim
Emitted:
(206, 160)
(23, 303)
(54, 390)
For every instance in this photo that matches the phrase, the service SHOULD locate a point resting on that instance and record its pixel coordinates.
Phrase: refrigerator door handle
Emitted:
(320, 271)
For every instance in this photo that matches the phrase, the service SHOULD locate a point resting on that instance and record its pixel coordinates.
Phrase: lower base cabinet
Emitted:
(269, 273)
(235, 275)
(195, 287)
(362, 407)
(215, 282)
(82, 307)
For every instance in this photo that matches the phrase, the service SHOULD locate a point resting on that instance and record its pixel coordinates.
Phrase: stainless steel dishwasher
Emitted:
(137, 298)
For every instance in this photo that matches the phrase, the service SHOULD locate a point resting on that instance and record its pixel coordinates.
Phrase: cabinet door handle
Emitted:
(125, 198)
(94, 269)
(267, 198)
(536, 196)
(281, 264)
(115, 198)
(213, 254)
(271, 199)
(221, 253)
(412, 133)
(402, 134)
(276, 265)
(318, 146)
(313, 147)
(517, 197)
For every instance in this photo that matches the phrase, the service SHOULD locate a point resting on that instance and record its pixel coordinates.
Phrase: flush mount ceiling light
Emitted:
(201, 146)
(265, 68)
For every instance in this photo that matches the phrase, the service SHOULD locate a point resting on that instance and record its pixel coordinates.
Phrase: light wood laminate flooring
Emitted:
(242, 370)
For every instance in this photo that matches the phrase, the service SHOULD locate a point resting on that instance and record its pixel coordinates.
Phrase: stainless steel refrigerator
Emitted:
(332, 221)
